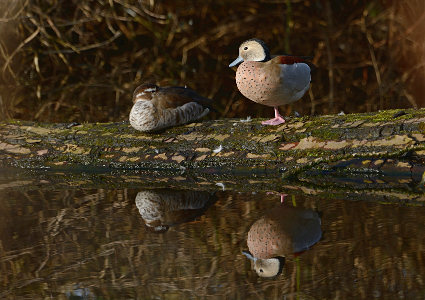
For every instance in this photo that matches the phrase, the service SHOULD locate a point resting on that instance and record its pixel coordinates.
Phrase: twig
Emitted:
(330, 55)
(17, 14)
(374, 61)
(26, 41)
(88, 47)
(161, 19)
(410, 98)
(4, 54)
(313, 102)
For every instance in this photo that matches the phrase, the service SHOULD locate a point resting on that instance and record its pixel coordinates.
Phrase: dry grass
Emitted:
(80, 60)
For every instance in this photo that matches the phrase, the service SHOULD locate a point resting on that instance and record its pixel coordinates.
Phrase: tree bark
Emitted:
(391, 141)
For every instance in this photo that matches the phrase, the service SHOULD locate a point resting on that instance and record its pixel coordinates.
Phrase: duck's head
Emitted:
(269, 267)
(144, 92)
(252, 50)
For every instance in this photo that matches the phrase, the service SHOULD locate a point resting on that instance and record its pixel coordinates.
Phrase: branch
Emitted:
(301, 145)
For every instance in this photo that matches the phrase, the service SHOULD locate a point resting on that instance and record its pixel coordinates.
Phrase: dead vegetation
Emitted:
(80, 60)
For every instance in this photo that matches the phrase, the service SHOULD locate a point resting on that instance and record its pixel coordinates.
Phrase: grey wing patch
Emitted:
(186, 113)
(194, 111)
(296, 76)
(308, 234)
(295, 81)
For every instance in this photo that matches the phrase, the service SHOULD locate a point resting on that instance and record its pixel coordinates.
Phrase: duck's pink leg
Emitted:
(278, 119)
(282, 197)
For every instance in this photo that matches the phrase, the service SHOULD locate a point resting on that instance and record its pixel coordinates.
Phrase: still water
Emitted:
(187, 244)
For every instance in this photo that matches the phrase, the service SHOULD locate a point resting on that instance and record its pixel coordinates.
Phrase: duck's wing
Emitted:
(174, 96)
(294, 72)
(290, 59)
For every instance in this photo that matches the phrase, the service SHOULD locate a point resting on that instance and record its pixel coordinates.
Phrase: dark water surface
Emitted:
(96, 244)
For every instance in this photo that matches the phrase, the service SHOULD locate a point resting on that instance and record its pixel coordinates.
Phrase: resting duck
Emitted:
(157, 107)
(270, 81)
(163, 208)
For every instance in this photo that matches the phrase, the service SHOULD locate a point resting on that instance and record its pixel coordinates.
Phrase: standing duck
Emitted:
(283, 230)
(270, 81)
(156, 108)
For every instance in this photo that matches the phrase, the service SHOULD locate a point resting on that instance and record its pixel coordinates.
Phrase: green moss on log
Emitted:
(297, 145)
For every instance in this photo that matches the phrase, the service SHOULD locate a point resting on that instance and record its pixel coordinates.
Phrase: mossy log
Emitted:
(391, 141)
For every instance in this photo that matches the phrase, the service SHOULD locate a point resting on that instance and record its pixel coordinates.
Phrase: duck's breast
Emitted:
(272, 83)
(144, 116)
(256, 82)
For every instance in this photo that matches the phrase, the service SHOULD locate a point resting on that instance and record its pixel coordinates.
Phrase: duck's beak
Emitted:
(249, 256)
(236, 62)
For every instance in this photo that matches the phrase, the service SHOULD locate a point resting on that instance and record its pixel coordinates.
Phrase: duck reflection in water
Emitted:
(163, 208)
(282, 231)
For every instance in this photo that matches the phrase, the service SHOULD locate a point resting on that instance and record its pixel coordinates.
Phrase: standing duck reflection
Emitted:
(163, 208)
(282, 231)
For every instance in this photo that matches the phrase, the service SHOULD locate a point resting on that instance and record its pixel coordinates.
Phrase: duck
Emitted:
(161, 209)
(282, 231)
(155, 108)
(271, 81)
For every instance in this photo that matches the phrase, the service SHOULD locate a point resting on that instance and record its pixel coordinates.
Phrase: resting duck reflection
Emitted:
(283, 230)
(163, 208)
(156, 108)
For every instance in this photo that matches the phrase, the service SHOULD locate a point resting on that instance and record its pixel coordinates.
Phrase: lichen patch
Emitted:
(32, 141)
(42, 152)
(297, 125)
(263, 156)
(402, 164)
(334, 145)
(225, 154)
(74, 149)
(269, 138)
(178, 158)
(309, 143)
(395, 141)
(161, 156)
(123, 158)
(131, 149)
(191, 136)
(202, 157)
(378, 162)
(37, 130)
(14, 148)
(419, 137)
(288, 146)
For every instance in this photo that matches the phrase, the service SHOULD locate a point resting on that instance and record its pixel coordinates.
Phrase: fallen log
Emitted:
(390, 141)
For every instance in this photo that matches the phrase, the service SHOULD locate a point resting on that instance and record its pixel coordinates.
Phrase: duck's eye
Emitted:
(245, 48)
(261, 270)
